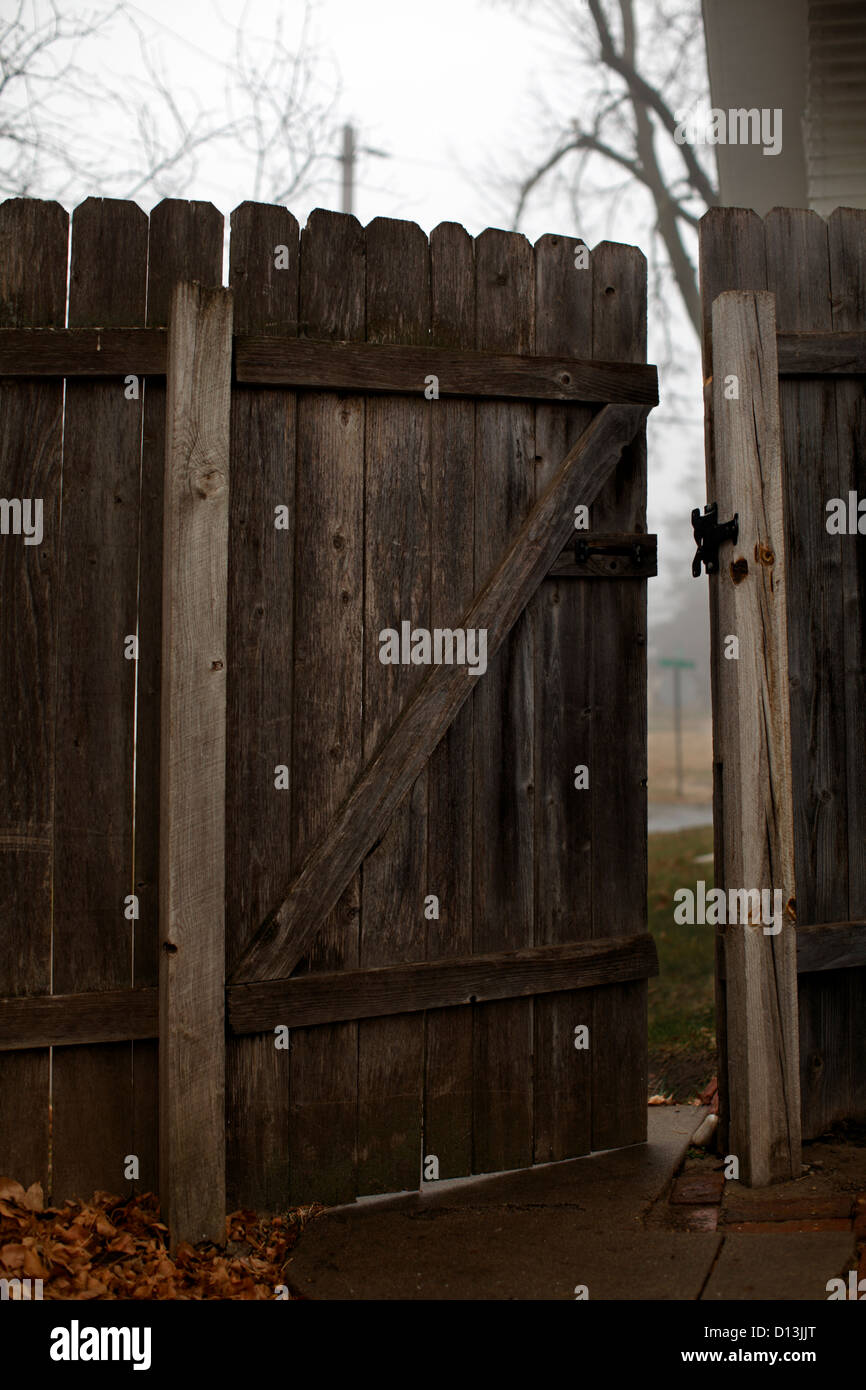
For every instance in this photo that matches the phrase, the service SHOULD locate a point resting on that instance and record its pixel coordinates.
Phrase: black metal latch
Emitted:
(709, 534)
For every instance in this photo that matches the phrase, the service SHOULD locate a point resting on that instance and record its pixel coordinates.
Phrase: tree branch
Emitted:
(642, 92)
(682, 267)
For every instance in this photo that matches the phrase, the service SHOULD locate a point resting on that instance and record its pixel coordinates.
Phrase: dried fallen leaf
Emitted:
(123, 1243)
(33, 1198)
(33, 1266)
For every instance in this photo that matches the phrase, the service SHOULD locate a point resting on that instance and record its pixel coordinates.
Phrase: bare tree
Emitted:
(69, 130)
(38, 50)
(286, 101)
(631, 88)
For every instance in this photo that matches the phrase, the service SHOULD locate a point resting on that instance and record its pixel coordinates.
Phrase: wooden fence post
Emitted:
(192, 810)
(754, 742)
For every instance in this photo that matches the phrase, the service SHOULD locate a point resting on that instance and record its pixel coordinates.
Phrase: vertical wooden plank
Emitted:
(754, 719)
(732, 257)
(563, 814)
(617, 769)
(847, 242)
(396, 589)
(328, 670)
(448, 1050)
(503, 875)
(33, 247)
(192, 772)
(816, 647)
(264, 283)
(185, 242)
(93, 854)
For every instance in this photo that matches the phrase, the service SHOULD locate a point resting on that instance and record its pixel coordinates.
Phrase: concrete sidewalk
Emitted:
(599, 1221)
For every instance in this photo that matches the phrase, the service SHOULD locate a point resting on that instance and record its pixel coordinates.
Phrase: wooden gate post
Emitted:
(753, 743)
(192, 766)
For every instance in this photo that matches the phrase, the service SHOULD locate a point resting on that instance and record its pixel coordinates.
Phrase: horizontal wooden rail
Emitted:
(85, 352)
(121, 1015)
(831, 946)
(826, 946)
(306, 363)
(459, 372)
(607, 555)
(58, 1020)
(65, 1020)
(340, 996)
(821, 354)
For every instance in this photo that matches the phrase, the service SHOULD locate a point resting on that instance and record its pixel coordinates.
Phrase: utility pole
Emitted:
(678, 665)
(347, 159)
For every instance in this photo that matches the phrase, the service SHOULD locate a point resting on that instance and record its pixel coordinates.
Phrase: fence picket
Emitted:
(93, 865)
(846, 230)
(817, 679)
(263, 275)
(33, 248)
(503, 828)
(193, 759)
(618, 766)
(396, 587)
(185, 242)
(448, 1036)
(563, 728)
(328, 675)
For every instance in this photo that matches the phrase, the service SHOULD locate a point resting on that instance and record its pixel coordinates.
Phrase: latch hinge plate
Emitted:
(709, 533)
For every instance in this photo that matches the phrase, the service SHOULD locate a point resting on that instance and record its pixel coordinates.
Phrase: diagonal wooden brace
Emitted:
(287, 933)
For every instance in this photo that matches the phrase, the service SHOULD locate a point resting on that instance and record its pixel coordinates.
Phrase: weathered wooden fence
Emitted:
(224, 816)
(785, 361)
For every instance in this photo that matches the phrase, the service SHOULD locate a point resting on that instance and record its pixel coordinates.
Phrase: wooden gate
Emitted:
(785, 359)
(434, 872)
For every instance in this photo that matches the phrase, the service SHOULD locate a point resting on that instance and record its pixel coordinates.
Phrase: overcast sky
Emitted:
(450, 94)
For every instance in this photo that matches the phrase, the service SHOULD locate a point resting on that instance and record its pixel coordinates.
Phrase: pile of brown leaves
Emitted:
(108, 1248)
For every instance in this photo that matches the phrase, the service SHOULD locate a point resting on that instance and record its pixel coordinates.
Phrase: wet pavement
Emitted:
(677, 816)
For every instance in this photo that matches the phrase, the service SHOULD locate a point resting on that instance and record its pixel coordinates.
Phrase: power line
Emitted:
(158, 24)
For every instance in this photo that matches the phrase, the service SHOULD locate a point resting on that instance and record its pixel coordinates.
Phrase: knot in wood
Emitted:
(764, 554)
(739, 569)
(209, 482)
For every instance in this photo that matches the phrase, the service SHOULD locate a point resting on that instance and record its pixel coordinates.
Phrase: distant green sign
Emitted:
(675, 661)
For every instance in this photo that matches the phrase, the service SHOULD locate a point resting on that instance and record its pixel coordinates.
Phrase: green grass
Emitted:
(681, 1003)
